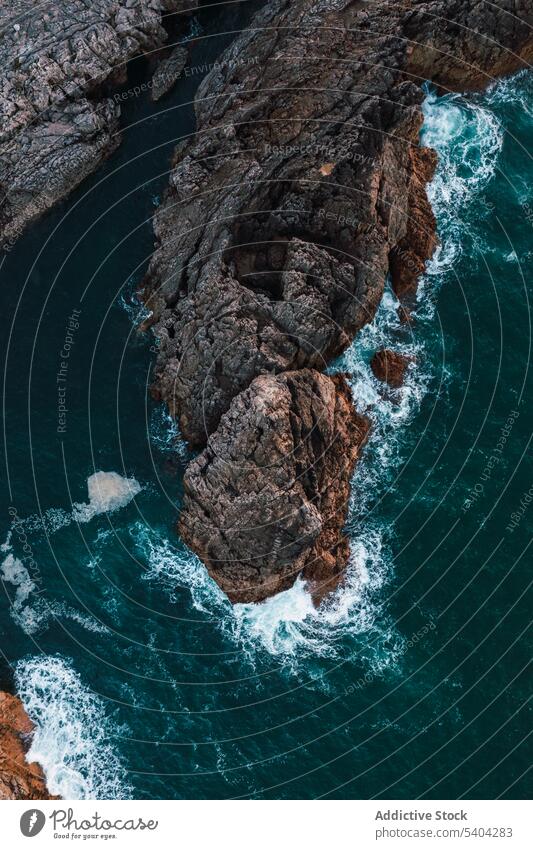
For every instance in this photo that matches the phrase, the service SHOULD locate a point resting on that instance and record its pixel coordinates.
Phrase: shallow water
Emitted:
(141, 677)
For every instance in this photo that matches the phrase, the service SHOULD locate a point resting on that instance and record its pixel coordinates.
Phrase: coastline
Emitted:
(19, 779)
(259, 270)
(60, 121)
(341, 220)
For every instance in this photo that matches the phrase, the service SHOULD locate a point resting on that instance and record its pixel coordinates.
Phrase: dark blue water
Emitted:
(141, 677)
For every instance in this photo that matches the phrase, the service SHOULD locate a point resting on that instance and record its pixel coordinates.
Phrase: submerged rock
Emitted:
(267, 498)
(390, 366)
(18, 778)
(168, 72)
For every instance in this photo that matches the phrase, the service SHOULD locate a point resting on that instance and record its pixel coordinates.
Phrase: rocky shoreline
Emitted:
(18, 778)
(302, 190)
(58, 121)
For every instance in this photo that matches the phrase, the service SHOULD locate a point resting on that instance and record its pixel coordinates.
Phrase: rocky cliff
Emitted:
(18, 778)
(60, 62)
(303, 188)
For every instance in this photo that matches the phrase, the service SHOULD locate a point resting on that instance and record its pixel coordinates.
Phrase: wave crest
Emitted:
(73, 732)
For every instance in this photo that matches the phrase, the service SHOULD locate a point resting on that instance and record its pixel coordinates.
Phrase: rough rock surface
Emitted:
(390, 366)
(302, 189)
(305, 186)
(168, 72)
(267, 498)
(18, 778)
(60, 61)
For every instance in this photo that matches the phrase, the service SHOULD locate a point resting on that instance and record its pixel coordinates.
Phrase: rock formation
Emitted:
(18, 778)
(303, 187)
(390, 366)
(168, 72)
(266, 500)
(60, 62)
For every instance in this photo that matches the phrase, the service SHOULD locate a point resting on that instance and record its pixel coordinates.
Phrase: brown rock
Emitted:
(404, 314)
(390, 366)
(18, 778)
(270, 258)
(302, 189)
(267, 498)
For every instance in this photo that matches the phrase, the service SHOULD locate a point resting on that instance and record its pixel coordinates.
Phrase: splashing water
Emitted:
(289, 625)
(73, 732)
(468, 139)
(108, 491)
(175, 566)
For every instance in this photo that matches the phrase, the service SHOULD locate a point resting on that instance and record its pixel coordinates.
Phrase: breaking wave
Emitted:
(513, 90)
(468, 139)
(73, 736)
(290, 626)
(287, 625)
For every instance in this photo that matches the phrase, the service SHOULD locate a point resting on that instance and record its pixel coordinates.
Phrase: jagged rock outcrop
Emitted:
(390, 366)
(303, 187)
(306, 167)
(60, 62)
(267, 498)
(18, 778)
(168, 72)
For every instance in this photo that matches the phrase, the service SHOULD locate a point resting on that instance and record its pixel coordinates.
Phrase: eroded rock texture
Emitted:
(266, 500)
(60, 60)
(168, 72)
(302, 189)
(304, 186)
(18, 778)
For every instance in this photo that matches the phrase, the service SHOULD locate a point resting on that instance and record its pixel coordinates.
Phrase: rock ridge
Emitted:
(58, 121)
(301, 191)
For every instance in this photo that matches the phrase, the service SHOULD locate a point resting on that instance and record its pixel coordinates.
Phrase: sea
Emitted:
(143, 681)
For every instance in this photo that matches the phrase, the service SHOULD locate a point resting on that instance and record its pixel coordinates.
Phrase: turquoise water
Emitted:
(143, 680)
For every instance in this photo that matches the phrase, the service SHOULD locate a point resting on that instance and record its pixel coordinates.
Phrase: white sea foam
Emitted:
(29, 609)
(290, 626)
(49, 522)
(390, 411)
(33, 611)
(14, 572)
(108, 491)
(468, 139)
(165, 434)
(73, 740)
(280, 624)
(516, 89)
(173, 567)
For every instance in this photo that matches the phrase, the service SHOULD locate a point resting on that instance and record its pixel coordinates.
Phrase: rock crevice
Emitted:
(57, 121)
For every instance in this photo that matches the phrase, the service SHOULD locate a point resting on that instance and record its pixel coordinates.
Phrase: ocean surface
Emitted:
(142, 679)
